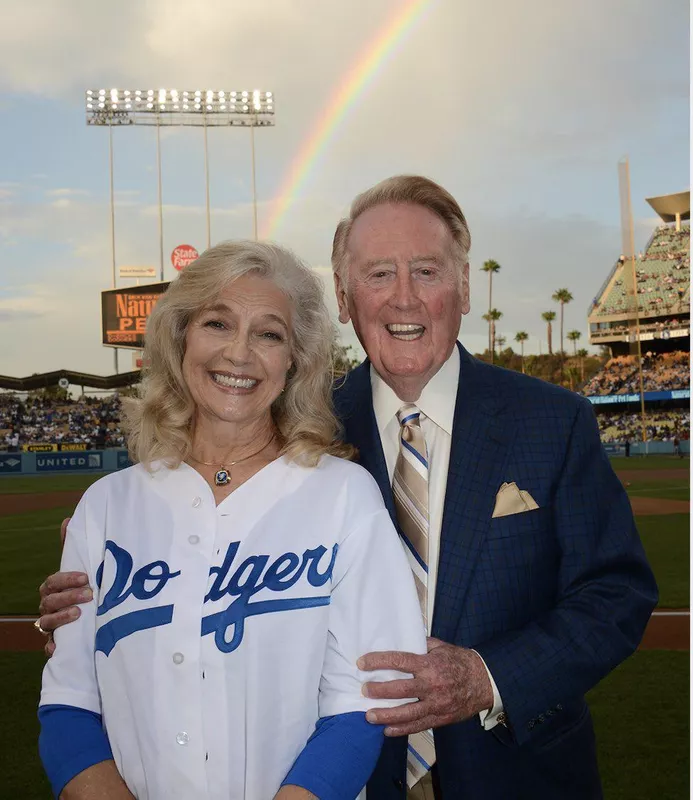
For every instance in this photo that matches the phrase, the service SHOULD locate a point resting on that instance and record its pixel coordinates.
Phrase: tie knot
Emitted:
(408, 415)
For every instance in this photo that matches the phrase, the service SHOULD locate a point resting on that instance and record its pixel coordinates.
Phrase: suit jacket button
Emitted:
(399, 783)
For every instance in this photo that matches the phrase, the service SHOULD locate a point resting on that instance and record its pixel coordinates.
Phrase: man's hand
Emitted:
(59, 595)
(451, 683)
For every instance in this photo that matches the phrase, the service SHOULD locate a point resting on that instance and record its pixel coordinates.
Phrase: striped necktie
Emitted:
(410, 490)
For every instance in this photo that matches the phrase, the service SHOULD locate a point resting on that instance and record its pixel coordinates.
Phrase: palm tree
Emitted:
(492, 317)
(572, 377)
(549, 317)
(582, 355)
(573, 337)
(562, 296)
(521, 337)
(491, 267)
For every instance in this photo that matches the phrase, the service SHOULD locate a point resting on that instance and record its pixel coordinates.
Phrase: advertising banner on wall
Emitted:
(137, 272)
(10, 462)
(59, 462)
(650, 397)
(123, 459)
(124, 314)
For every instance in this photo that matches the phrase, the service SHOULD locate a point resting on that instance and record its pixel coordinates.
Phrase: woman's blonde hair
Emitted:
(159, 424)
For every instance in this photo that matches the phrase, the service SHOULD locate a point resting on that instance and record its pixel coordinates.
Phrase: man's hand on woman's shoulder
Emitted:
(60, 595)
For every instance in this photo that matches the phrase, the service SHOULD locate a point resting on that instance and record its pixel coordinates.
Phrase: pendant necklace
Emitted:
(222, 477)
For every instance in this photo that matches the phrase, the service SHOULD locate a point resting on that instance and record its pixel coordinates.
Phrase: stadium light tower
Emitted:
(200, 108)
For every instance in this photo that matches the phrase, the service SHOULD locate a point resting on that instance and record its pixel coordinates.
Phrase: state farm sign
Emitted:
(183, 256)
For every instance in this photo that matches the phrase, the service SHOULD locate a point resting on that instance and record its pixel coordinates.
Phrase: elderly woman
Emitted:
(239, 569)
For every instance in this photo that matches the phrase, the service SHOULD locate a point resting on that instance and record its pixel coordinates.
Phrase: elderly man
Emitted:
(531, 576)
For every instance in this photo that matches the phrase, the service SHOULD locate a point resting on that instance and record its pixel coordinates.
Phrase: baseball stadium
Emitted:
(60, 431)
(504, 123)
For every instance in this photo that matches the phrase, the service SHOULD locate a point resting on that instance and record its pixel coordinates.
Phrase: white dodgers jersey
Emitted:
(219, 635)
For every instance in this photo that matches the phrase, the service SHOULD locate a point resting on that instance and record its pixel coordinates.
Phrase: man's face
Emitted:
(404, 293)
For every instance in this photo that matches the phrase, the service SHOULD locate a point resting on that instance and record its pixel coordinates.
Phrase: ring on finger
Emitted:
(38, 627)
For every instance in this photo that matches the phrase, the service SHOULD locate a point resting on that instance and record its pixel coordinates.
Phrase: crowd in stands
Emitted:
(663, 277)
(661, 372)
(656, 327)
(670, 244)
(94, 422)
(660, 426)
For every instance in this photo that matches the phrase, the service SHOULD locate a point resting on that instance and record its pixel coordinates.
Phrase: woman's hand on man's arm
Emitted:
(103, 782)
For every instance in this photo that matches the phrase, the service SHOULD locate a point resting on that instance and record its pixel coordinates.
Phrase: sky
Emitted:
(521, 109)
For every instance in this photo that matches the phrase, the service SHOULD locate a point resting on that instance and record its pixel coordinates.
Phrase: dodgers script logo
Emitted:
(250, 577)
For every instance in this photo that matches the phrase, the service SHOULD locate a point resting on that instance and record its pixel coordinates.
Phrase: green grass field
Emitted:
(641, 719)
(651, 462)
(30, 548)
(640, 710)
(28, 484)
(29, 551)
(667, 543)
(640, 715)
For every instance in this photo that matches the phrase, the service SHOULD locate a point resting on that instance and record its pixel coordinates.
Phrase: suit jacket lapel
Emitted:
(477, 464)
(354, 403)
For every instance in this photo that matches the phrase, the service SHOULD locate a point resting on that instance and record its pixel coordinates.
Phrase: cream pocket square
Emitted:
(511, 500)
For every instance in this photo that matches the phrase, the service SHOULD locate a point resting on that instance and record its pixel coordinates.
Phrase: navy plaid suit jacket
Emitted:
(553, 599)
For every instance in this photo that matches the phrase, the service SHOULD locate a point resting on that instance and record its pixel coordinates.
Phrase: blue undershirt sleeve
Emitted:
(339, 757)
(71, 740)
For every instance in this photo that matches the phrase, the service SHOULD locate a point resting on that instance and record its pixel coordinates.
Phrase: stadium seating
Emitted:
(663, 277)
(660, 372)
(40, 420)
(661, 426)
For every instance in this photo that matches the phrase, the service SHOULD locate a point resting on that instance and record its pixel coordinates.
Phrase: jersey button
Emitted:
(197, 502)
(182, 737)
(178, 658)
(194, 539)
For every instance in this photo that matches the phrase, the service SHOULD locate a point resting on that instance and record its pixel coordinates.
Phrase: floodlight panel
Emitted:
(101, 104)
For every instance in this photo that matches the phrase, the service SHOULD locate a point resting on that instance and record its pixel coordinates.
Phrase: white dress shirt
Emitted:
(437, 407)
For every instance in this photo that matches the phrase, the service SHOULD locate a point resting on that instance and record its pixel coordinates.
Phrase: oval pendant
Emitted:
(222, 477)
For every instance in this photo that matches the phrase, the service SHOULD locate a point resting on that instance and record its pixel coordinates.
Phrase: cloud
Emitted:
(521, 110)
(32, 302)
(66, 192)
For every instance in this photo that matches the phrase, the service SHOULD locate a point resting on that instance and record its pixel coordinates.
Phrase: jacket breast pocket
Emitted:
(523, 524)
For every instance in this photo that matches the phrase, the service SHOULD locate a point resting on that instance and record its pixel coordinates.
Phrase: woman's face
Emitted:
(238, 351)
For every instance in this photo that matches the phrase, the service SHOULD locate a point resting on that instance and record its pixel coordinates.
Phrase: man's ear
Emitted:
(342, 302)
(465, 289)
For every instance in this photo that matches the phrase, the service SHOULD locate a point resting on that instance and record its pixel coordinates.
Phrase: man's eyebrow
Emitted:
(377, 262)
(432, 259)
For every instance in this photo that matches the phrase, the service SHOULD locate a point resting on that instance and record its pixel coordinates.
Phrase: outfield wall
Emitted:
(87, 461)
(93, 461)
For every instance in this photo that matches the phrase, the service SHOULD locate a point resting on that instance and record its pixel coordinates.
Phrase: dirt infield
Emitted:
(21, 503)
(630, 475)
(17, 634)
(646, 506)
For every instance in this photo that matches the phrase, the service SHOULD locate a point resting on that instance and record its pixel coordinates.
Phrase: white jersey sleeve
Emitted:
(69, 677)
(374, 607)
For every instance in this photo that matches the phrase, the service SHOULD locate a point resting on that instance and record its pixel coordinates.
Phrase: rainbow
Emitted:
(362, 74)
